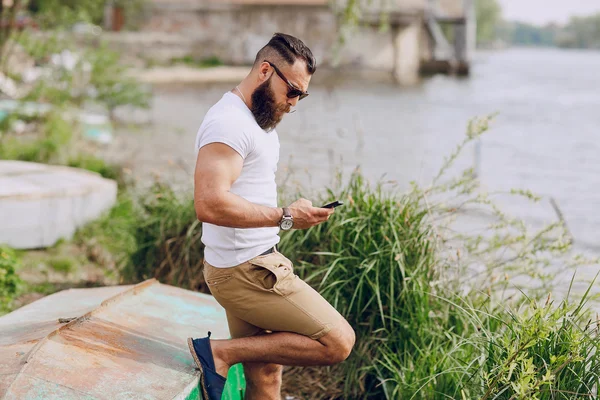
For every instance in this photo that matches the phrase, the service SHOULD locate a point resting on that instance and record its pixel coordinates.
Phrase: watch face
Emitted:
(287, 224)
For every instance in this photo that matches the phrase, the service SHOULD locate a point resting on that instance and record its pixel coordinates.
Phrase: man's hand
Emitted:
(305, 215)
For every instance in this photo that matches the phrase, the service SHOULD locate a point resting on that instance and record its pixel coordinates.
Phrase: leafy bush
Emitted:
(50, 146)
(154, 234)
(112, 85)
(9, 281)
(111, 238)
(98, 74)
(52, 14)
(64, 13)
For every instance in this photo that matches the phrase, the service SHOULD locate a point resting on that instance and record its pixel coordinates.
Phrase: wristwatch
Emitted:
(287, 221)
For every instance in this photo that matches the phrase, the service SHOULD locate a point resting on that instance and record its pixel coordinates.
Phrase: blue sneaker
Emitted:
(211, 382)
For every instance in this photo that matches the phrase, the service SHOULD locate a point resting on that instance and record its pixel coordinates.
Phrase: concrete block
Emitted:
(40, 204)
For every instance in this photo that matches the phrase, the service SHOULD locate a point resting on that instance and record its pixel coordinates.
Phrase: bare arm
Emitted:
(217, 168)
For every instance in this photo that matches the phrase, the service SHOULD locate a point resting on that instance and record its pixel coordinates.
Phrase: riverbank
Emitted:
(197, 75)
(185, 74)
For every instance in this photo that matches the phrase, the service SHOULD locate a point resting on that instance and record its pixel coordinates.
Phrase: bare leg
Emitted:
(263, 381)
(284, 348)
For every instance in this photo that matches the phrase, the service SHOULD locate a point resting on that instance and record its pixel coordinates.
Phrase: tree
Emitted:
(582, 32)
(489, 15)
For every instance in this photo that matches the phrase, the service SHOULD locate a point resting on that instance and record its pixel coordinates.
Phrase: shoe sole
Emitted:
(202, 383)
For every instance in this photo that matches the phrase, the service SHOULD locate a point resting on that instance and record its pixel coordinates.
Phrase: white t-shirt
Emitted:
(231, 122)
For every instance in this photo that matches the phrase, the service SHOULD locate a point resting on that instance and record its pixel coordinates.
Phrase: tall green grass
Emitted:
(168, 240)
(376, 262)
(545, 352)
(421, 333)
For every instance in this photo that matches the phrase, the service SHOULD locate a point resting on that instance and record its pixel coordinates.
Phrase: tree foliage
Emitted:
(489, 16)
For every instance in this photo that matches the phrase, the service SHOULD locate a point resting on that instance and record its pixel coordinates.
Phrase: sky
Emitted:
(541, 12)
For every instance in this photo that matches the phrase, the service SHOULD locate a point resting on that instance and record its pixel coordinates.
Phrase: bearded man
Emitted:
(274, 317)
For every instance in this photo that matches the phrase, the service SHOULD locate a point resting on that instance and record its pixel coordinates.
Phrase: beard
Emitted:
(264, 107)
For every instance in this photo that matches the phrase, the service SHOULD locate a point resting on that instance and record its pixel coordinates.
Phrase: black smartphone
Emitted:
(333, 205)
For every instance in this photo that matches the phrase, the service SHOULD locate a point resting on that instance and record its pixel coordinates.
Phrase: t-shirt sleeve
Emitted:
(226, 131)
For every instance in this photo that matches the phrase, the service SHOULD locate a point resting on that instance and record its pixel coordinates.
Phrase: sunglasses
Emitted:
(293, 90)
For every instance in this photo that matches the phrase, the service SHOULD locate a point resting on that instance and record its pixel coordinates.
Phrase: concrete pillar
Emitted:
(471, 15)
(407, 53)
(465, 36)
(461, 53)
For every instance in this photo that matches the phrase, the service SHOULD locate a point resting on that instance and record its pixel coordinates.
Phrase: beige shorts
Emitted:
(264, 294)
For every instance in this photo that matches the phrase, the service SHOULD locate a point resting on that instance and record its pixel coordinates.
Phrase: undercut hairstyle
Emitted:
(288, 49)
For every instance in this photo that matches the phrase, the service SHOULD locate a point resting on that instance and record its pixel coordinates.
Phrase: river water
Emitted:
(546, 136)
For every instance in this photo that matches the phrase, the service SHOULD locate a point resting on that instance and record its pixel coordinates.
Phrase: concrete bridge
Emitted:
(415, 42)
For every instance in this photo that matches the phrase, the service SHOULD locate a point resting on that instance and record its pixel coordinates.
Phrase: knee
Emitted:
(263, 374)
(342, 347)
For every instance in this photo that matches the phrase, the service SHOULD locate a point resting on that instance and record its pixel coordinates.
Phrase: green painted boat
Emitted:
(119, 342)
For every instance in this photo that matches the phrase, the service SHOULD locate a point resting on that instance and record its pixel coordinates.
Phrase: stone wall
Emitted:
(235, 32)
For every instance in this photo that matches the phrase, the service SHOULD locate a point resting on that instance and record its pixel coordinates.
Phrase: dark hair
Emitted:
(289, 48)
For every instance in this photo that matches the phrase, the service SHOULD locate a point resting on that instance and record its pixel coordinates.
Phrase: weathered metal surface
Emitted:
(40, 204)
(127, 342)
